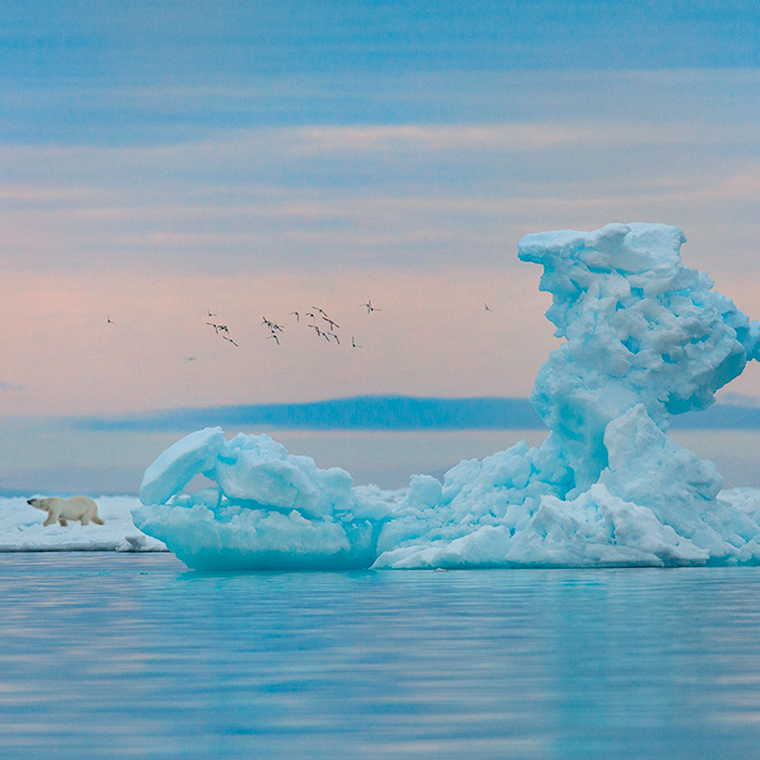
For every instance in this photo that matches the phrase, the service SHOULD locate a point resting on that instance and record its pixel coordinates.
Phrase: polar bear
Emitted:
(81, 508)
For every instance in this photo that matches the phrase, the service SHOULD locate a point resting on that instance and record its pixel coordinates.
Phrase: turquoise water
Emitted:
(112, 655)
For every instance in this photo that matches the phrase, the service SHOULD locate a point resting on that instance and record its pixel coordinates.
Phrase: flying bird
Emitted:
(370, 307)
(222, 330)
(273, 326)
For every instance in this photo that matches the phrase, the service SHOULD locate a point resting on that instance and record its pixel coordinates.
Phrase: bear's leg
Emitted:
(51, 518)
(63, 522)
(84, 520)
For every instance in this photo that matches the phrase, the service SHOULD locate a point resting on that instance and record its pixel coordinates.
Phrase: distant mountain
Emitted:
(358, 413)
(717, 417)
(389, 413)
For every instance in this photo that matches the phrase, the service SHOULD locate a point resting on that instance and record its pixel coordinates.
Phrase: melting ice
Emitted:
(645, 338)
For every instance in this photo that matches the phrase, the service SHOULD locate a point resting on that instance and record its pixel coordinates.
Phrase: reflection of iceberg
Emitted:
(645, 338)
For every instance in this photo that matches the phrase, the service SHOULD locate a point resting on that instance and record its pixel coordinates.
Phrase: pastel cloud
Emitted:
(369, 195)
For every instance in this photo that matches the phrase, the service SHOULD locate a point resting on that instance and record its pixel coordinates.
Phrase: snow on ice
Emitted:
(645, 337)
(21, 529)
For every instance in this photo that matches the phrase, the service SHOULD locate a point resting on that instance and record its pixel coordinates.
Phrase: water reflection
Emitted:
(105, 655)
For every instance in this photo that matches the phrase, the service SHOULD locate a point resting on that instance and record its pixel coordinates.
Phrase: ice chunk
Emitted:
(270, 511)
(179, 464)
(598, 529)
(645, 337)
(235, 538)
(259, 470)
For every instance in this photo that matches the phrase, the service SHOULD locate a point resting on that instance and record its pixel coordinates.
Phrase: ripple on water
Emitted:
(109, 655)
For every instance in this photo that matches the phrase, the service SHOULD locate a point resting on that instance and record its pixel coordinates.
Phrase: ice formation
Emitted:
(645, 337)
(270, 510)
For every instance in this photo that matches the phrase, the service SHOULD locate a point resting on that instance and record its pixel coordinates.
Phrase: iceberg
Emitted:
(645, 337)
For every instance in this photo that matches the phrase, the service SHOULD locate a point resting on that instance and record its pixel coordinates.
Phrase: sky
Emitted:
(168, 164)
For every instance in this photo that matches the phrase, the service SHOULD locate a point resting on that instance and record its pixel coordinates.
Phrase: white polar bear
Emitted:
(81, 508)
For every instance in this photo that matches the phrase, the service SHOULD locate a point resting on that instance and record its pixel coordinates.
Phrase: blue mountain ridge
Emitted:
(387, 413)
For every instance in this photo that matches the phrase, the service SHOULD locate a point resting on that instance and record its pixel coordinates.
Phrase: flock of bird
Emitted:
(318, 321)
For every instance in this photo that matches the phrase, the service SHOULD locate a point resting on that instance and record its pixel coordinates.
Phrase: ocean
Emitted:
(106, 655)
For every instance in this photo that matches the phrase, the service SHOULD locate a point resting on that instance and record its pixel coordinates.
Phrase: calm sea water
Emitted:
(108, 655)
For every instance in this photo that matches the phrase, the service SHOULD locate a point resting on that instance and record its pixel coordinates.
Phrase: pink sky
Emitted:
(422, 220)
(423, 217)
(430, 335)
